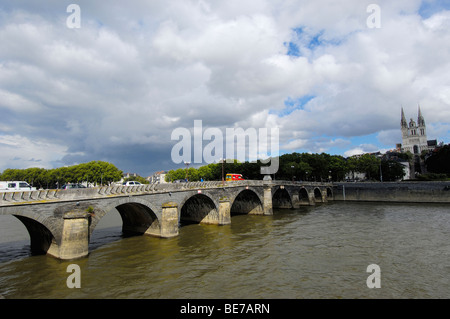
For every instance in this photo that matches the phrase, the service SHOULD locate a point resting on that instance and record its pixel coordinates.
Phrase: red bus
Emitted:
(234, 177)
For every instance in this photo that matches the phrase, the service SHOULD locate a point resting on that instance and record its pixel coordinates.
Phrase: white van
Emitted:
(132, 183)
(15, 186)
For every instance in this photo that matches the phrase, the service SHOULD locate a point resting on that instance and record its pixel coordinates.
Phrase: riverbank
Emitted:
(402, 192)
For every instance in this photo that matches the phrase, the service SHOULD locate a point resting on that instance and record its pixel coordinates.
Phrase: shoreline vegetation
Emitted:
(295, 166)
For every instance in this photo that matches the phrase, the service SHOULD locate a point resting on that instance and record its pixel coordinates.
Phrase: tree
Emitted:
(337, 167)
(173, 175)
(392, 171)
(439, 161)
(368, 164)
(95, 171)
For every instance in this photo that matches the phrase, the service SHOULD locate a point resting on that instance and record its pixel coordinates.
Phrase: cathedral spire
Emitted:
(420, 119)
(403, 122)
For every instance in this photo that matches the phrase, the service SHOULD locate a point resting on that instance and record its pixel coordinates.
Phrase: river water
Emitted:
(311, 252)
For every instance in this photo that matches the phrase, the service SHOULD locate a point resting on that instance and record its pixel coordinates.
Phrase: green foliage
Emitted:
(305, 166)
(368, 164)
(392, 171)
(439, 161)
(300, 166)
(432, 177)
(93, 172)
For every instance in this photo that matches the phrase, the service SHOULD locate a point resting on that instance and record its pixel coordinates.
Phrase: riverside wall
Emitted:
(402, 192)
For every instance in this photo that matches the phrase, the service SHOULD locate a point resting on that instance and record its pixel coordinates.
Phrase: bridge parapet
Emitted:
(62, 225)
(41, 196)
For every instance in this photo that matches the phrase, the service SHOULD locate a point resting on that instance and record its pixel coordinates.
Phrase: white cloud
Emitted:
(20, 151)
(121, 83)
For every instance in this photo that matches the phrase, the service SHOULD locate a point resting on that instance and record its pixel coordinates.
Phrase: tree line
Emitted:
(94, 172)
(294, 166)
(299, 166)
(438, 162)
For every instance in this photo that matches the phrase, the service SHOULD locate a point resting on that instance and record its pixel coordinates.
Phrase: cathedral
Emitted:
(414, 136)
(414, 140)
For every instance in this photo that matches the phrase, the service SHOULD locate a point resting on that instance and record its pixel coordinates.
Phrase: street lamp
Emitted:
(381, 173)
(223, 180)
(187, 165)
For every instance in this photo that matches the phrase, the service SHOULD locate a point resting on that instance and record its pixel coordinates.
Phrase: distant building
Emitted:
(415, 141)
(414, 135)
(158, 178)
(127, 175)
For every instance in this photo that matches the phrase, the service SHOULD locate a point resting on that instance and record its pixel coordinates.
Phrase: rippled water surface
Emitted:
(312, 252)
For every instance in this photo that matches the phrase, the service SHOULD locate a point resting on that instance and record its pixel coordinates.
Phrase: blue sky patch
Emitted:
(302, 39)
(430, 7)
(292, 104)
(292, 49)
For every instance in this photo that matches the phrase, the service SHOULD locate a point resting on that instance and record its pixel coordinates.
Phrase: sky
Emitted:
(331, 76)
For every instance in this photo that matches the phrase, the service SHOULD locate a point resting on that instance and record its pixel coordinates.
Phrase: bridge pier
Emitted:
(224, 211)
(311, 199)
(267, 205)
(169, 220)
(75, 236)
(295, 201)
(324, 196)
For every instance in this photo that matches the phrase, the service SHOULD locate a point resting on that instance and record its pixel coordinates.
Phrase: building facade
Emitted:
(158, 178)
(414, 135)
(415, 141)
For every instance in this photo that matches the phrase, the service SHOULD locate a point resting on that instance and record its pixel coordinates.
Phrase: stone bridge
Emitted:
(60, 222)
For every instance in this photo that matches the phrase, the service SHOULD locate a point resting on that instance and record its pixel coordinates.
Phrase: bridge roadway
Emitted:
(60, 222)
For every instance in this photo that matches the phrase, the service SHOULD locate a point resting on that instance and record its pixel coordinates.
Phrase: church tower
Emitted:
(414, 135)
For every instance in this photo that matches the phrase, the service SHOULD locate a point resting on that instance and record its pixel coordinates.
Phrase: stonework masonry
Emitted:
(60, 223)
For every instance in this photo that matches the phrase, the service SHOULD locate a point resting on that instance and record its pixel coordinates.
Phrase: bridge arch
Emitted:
(44, 230)
(199, 208)
(41, 238)
(247, 202)
(329, 193)
(281, 199)
(138, 216)
(303, 196)
(318, 195)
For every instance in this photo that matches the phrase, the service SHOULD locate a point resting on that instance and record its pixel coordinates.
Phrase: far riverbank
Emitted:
(403, 192)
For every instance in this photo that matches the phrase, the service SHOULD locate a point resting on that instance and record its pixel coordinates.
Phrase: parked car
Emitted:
(72, 185)
(14, 186)
(131, 183)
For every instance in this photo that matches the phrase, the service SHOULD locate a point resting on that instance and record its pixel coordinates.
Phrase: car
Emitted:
(72, 185)
(14, 186)
(132, 183)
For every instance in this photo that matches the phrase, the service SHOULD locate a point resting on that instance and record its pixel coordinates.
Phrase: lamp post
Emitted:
(223, 179)
(381, 173)
(187, 165)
